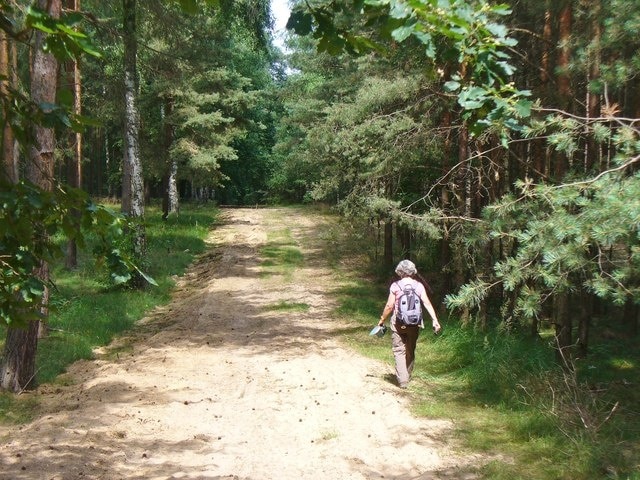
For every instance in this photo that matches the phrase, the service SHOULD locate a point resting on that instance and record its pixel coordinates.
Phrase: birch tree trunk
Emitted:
(132, 181)
(18, 365)
(170, 199)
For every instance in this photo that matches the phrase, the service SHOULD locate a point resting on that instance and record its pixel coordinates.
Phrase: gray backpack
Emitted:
(408, 308)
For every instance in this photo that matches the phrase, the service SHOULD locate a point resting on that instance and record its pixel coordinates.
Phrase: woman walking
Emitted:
(404, 335)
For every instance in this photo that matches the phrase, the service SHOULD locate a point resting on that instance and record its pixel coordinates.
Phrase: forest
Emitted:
(495, 144)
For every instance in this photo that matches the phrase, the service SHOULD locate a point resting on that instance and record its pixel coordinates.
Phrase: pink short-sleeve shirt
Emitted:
(397, 287)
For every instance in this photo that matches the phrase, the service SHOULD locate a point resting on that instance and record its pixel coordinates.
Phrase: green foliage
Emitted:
(206, 119)
(204, 97)
(30, 218)
(354, 138)
(463, 32)
(63, 38)
(565, 237)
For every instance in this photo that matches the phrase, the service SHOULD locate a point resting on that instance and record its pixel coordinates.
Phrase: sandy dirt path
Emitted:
(209, 387)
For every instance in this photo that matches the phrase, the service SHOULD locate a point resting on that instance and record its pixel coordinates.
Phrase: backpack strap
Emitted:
(395, 304)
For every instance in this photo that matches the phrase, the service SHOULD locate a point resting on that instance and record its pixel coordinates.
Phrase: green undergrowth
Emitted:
(508, 399)
(88, 312)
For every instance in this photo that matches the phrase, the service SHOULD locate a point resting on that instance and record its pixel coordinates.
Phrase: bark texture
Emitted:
(75, 170)
(170, 200)
(132, 182)
(10, 165)
(18, 368)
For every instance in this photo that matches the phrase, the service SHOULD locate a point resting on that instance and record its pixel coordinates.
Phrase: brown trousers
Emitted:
(403, 344)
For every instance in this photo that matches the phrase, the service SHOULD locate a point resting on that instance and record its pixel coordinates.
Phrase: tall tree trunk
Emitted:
(173, 199)
(564, 325)
(561, 162)
(388, 244)
(592, 150)
(18, 364)
(585, 312)
(75, 171)
(10, 165)
(545, 62)
(170, 197)
(631, 317)
(564, 54)
(541, 160)
(445, 200)
(462, 193)
(132, 182)
(403, 234)
(109, 167)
